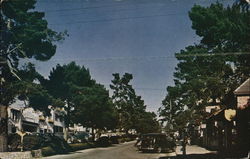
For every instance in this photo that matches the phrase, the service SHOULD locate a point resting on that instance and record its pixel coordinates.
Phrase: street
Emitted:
(77, 76)
(121, 151)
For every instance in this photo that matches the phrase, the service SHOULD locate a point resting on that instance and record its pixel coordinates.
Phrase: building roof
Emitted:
(244, 88)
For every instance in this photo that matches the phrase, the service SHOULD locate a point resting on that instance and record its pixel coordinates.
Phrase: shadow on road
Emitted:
(193, 156)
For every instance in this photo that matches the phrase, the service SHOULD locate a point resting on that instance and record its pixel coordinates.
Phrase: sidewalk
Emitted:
(192, 152)
(193, 149)
(197, 152)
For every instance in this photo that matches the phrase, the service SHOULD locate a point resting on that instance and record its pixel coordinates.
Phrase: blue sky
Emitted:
(118, 36)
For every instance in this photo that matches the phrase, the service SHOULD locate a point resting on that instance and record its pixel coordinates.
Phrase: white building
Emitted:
(31, 121)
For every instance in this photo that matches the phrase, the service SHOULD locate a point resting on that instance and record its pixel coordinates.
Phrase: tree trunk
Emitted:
(3, 129)
(67, 122)
(93, 134)
(184, 144)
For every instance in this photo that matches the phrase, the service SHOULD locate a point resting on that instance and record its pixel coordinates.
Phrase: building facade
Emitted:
(28, 120)
(227, 129)
(242, 94)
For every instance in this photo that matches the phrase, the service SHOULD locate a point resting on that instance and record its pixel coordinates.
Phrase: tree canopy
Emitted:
(208, 72)
(24, 33)
(67, 81)
(93, 108)
(130, 107)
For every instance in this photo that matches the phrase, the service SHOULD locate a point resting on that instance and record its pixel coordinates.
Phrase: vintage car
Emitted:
(156, 142)
(103, 141)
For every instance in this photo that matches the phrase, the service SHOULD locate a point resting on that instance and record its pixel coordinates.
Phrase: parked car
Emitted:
(156, 142)
(103, 141)
(114, 139)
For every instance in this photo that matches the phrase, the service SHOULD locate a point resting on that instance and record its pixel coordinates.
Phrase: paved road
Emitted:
(121, 151)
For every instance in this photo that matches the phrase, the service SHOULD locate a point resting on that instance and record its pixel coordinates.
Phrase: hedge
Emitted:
(59, 148)
(124, 139)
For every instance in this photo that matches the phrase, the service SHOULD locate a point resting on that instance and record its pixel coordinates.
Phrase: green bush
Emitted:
(59, 145)
(124, 139)
(14, 142)
(127, 139)
(32, 142)
(48, 151)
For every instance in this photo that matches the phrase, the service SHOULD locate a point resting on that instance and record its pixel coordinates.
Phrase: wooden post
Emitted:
(3, 129)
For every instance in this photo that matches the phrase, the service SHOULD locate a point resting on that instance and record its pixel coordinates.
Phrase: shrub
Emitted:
(127, 139)
(57, 144)
(124, 139)
(54, 145)
(14, 141)
(32, 142)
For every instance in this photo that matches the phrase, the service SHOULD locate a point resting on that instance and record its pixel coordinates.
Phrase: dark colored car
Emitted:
(156, 142)
(114, 139)
(103, 141)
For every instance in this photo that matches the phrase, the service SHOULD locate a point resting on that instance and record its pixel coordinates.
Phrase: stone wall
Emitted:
(15, 155)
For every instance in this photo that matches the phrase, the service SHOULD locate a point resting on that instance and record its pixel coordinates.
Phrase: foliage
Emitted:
(65, 82)
(93, 108)
(147, 123)
(26, 31)
(125, 139)
(209, 72)
(48, 151)
(14, 141)
(30, 91)
(24, 34)
(130, 107)
(32, 142)
(87, 102)
(224, 30)
(58, 144)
